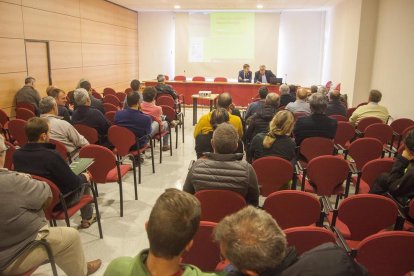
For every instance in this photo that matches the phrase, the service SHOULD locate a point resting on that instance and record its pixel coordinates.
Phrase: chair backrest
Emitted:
(220, 79)
(109, 107)
(328, 85)
(272, 173)
(16, 129)
(365, 149)
(361, 104)
(24, 114)
(408, 129)
(380, 131)
(411, 209)
(97, 95)
(401, 124)
(121, 96)
(8, 162)
(122, 139)
(349, 111)
(104, 161)
(387, 253)
(316, 146)
(179, 78)
(305, 238)
(169, 112)
(127, 90)
(365, 122)
(339, 118)
(26, 105)
(112, 99)
(109, 91)
(326, 173)
(372, 169)
(110, 115)
(166, 77)
(205, 252)
(338, 87)
(3, 117)
(216, 204)
(199, 78)
(165, 99)
(292, 208)
(60, 148)
(89, 133)
(55, 196)
(300, 115)
(367, 214)
(344, 133)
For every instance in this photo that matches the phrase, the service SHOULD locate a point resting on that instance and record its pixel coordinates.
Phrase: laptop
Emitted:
(274, 80)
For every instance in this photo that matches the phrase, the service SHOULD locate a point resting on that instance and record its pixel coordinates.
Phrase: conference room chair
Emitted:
(361, 104)
(160, 134)
(387, 254)
(366, 122)
(112, 99)
(339, 118)
(349, 111)
(220, 79)
(328, 85)
(110, 115)
(294, 208)
(127, 90)
(305, 238)
(172, 115)
(338, 87)
(360, 216)
(180, 78)
(8, 162)
(274, 173)
(300, 115)
(24, 114)
(345, 132)
(216, 204)
(16, 130)
(313, 147)
(199, 78)
(370, 171)
(26, 105)
(121, 96)
(409, 220)
(89, 133)
(205, 252)
(68, 211)
(166, 77)
(166, 99)
(109, 107)
(398, 127)
(382, 132)
(105, 169)
(109, 91)
(4, 122)
(61, 149)
(97, 95)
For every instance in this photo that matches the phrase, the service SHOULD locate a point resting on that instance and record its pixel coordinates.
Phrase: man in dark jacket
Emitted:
(285, 96)
(163, 88)
(263, 75)
(28, 94)
(335, 106)
(257, 105)
(94, 101)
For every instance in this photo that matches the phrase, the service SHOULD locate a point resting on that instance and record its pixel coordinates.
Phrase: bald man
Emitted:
(300, 105)
(335, 107)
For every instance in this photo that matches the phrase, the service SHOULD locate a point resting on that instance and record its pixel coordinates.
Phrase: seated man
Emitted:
(300, 105)
(223, 169)
(372, 109)
(94, 101)
(60, 130)
(285, 96)
(133, 119)
(223, 101)
(255, 245)
(28, 94)
(135, 86)
(172, 225)
(158, 124)
(245, 75)
(39, 157)
(86, 115)
(335, 106)
(163, 88)
(255, 106)
(317, 124)
(60, 97)
(22, 220)
(263, 75)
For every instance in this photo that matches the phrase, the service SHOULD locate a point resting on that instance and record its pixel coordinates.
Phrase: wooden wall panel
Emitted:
(69, 7)
(44, 25)
(18, 2)
(12, 55)
(102, 33)
(66, 79)
(10, 83)
(37, 65)
(11, 21)
(65, 54)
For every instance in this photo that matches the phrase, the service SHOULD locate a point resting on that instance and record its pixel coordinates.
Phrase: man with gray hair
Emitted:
(28, 94)
(335, 107)
(300, 105)
(224, 169)
(60, 130)
(317, 124)
(163, 88)
(263, 75)
(285, 96)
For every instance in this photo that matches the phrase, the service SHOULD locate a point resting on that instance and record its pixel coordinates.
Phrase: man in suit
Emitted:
(28, 94)
(263, 75)
(245, 75)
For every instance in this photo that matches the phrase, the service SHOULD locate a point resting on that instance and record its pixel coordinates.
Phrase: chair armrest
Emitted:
(341, 239)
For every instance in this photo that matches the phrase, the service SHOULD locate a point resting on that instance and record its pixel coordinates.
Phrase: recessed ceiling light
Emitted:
(177, 7)
(259, 6)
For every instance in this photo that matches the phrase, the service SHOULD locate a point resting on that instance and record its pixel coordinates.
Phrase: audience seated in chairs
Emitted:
(257, 105)
(317, 124)
(23, 221)
(285, 96)
(224, 169)
(300, 105)
(28, 94)
(255, 245)
(60, 130)
(400, 181)
(60, 97)
(172, 225)
(372, 109)
(163, 88)
(335, 106)
(86, 115)
(94, 101)
(277, 141)
(39, 157)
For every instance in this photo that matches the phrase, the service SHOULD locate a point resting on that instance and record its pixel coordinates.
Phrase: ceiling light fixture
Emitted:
(259, 6)
(177, 7)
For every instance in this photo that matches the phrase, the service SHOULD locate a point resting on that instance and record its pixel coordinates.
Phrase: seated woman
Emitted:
(277, 141)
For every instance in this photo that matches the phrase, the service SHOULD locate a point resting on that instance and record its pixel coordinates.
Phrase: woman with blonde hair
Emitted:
(277, 141)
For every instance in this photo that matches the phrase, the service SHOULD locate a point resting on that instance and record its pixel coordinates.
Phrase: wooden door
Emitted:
(38, 64)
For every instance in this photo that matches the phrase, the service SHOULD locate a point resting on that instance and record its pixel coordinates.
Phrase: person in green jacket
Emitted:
(173, 222)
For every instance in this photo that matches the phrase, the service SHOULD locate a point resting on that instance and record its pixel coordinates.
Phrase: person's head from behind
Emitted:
(263, 91)
(224, 100)
(82, 97)
(59, 95)
(246, 68)
(48, 105)
(272, 99)
(314, 89)
(173, 222)
(262, 69)
(284, 89)
(37, 130)
(149, 94)
(251, 240)
(281, 124)
(322, 89)
(375, 96)
(86, 85)
(318, 103)
(301, 94)
(225, 139)
(293, 88)
(161, 78)
(133, 99)
(409, 142)
(135, 85)
(3, 150)
(219, 116)
(335, 95)
(29, 81)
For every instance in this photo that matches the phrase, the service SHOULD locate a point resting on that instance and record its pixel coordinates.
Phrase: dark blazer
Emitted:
(91, 117)
(335, 107)
(135, 121)
(315, 125)
(268, 74)
(242, 77)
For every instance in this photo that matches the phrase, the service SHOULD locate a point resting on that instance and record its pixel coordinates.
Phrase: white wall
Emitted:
(156, 36)
(301, 41)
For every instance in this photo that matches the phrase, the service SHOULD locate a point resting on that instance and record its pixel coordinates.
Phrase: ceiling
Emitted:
(206, 5)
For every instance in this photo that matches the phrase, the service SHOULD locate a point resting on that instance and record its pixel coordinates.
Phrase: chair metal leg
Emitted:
(160, 149)
(170, 141)
(182, 122)
(139, 169)
(152, 157)
(121, 196)
(134, 170)
(98, 215)
(96, 188)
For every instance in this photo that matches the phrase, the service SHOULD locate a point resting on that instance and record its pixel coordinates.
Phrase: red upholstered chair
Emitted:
(68, 211)
(121, 96)
(179, 78)
(161, 133)
(316, 146)
(127, 90)
(24, 114)
(398, 126)
(409, 222)
(300, 115)
(293, 208)
(16, 130)
(273, 173)
(172, 115)
(360, 216)
(388, 253)
(109, 91)
(109, 107)
(89, 133)
(110, 115)
(4, 118)
(205, 252)
(345, 132)
(350, 111)
(339, 118)
(166, 77)
(216, 204)
(338, 87)
(26, 105)
(61, 149)
(8, 163)
(97, 95)
(328, 85)
(361, 104)
(220, 79)
(369, 173)
(123, 139)
(112, 99)
(105, 168)
(199, 78)
(380, 131)
(305, 238)
(164, 99)
(365, 122)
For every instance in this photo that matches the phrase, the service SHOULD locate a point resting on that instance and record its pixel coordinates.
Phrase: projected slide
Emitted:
(221, 37)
